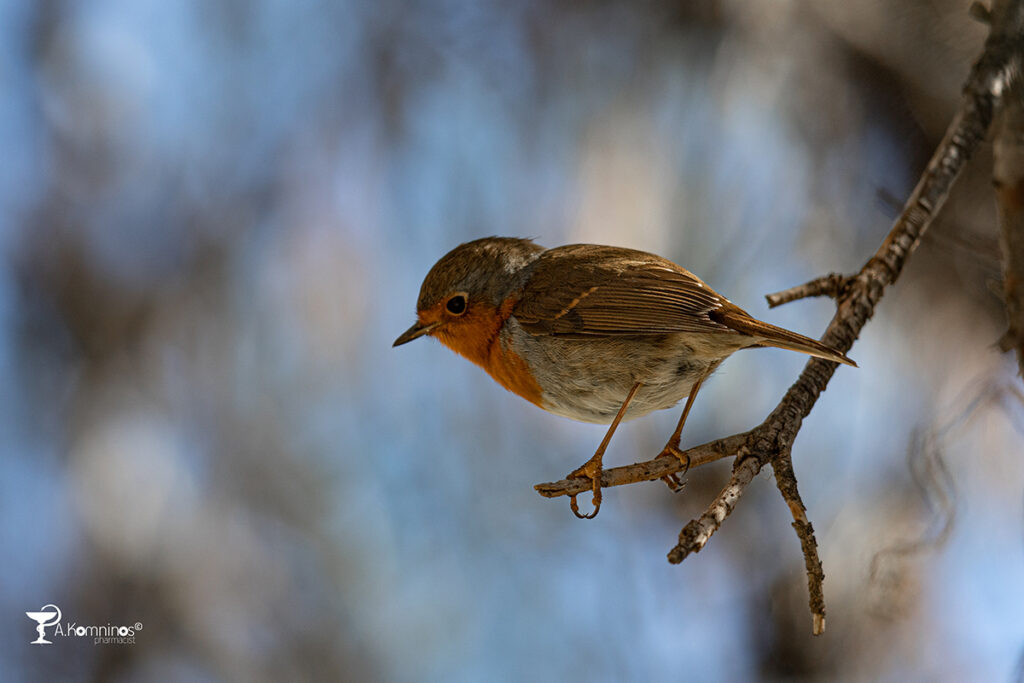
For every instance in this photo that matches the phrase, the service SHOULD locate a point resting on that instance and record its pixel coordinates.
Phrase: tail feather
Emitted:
(770, 335)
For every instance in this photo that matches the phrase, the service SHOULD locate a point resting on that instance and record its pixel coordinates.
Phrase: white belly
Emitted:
(588, 379)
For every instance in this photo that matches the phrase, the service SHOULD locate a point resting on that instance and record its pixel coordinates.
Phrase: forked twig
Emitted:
(991, 78)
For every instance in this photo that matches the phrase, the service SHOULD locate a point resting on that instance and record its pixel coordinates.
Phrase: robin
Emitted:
(595, 333)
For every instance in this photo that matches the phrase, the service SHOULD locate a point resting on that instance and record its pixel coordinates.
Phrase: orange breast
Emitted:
(476, 336)
(510, 371)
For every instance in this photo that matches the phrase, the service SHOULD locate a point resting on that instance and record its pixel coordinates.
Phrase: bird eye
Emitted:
(457, 304)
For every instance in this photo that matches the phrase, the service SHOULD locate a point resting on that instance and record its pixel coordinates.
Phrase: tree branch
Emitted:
(649, 470)
(857, 296)
(696, 534)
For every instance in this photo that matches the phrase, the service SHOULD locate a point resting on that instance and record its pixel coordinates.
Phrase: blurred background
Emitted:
(214, 220)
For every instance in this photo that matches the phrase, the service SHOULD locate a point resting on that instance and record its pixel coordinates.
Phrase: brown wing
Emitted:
(589, 290)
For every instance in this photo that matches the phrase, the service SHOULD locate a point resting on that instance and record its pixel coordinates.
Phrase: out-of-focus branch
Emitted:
(991, 78)
(1007, 20)
(1008, 177)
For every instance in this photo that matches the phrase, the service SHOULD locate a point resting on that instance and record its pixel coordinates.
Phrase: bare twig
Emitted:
(857, 296)
(696, 534)
(832, 285)
(785, 480)
(651, 470)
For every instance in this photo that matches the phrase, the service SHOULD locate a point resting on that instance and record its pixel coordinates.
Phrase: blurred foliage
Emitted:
(214, 218)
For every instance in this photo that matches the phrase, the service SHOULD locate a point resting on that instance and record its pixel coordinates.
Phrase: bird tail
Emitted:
(770, 335)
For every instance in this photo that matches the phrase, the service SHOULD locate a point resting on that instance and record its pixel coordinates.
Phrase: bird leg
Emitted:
(592, 468)
(671, 449)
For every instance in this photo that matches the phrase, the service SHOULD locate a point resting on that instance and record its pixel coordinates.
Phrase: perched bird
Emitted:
(594, 333)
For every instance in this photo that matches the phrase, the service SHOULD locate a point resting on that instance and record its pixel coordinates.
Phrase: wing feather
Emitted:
(588, 290)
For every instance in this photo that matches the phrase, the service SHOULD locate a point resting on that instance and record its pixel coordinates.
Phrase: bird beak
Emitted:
(417, 330)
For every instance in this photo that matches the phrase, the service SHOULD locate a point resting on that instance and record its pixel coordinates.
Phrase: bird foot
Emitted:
(674, 480)
(590, 470)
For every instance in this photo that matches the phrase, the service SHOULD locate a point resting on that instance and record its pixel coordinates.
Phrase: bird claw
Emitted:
(674, 483)
(590, 470)
(674, 479)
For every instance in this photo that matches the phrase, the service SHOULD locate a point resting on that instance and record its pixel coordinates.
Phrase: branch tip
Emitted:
(832, 285)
